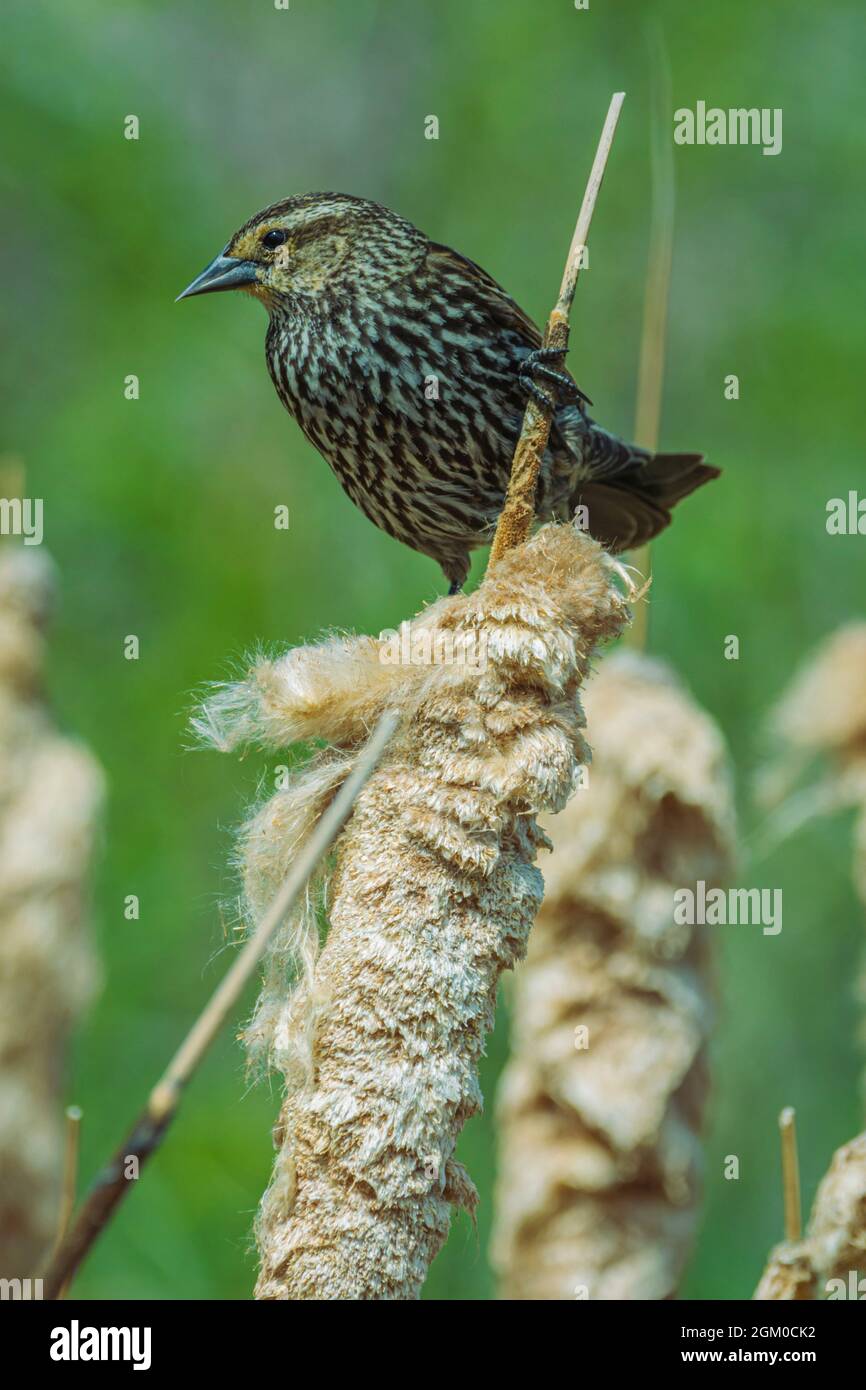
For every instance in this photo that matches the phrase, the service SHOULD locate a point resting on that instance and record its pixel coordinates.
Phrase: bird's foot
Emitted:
(455, 587)
(537, 364)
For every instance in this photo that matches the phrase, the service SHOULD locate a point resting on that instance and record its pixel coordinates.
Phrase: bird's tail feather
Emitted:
(629, 505)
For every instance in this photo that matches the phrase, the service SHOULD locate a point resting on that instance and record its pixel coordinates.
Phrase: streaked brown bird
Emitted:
(408, 367)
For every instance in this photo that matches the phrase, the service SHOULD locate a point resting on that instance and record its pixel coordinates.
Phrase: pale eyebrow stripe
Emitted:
(326, 217)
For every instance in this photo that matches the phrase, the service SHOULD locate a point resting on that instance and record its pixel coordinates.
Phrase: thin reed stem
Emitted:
(518, 513)
(651, 365)
(790, 1174)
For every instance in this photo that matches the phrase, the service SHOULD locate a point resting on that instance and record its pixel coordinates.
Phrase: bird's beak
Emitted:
(223, 273)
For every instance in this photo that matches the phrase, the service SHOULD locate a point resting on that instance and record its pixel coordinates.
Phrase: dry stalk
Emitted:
(50, 794)
(790, 1174)
(651, 364)
(518, 513)
(600, 1107)
(830, 1262)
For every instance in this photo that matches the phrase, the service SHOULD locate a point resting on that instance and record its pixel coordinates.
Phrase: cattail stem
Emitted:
(112, 1184)
(518, 513)
(790, 1174)
(651, 365)
(70, 1172)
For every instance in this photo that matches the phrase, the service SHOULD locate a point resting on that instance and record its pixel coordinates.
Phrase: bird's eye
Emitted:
(274, 238)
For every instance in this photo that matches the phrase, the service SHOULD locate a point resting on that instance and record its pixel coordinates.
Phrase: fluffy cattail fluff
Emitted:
(823, 714)
(600, 1107)
(50, 790)
(431, 896)
(830, 1261)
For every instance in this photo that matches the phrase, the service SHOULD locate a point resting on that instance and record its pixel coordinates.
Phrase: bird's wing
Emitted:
(442, 260)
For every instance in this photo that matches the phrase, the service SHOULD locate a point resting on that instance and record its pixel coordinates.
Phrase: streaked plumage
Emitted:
(401, 361)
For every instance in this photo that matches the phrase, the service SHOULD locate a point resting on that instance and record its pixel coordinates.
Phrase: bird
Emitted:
(408, 367)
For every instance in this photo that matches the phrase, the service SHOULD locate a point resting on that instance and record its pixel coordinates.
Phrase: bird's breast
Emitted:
(399, 401)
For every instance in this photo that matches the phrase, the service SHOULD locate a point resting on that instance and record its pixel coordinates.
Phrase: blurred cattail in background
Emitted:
(50, 794)
(823, 716)
(600, 1107)
(432, 896)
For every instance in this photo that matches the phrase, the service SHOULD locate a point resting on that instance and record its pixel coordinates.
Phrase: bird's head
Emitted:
(311, 246)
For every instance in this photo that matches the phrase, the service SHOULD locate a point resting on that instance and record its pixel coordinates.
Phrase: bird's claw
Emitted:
(536, 364)
(543, 398)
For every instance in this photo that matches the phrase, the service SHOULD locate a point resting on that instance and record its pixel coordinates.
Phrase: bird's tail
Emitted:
(630, 492)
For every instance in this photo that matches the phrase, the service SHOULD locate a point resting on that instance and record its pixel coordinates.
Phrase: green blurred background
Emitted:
(159, 511)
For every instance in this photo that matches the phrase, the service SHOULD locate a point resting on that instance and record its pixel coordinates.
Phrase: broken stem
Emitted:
(790, 1174)
(518, 513)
